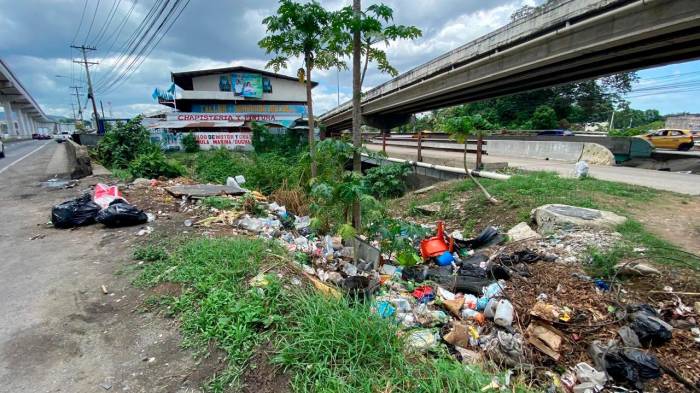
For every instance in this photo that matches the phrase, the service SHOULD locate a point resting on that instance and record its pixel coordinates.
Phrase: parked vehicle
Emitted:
(62, 137)
(2, 149)
(670, 139)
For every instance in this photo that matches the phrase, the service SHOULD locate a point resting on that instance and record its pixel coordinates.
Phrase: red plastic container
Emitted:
(434, 246)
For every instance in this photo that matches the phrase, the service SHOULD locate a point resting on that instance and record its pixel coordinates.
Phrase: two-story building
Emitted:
(220, 105)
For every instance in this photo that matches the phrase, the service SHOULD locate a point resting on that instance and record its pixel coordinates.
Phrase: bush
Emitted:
(387, 181)
(544, 118)
(189, 143)
(153, 164)
(123, 143)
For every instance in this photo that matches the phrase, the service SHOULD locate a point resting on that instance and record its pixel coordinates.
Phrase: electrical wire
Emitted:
(105, 26)
(130, 44)
(152, 47)
(149, 47)
(117, 32)
(97, 6)
(143, 58)
(80, 25)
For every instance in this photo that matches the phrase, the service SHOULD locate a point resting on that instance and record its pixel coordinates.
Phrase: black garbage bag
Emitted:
(632, 366)
(74, 213)
(487, 237)
(120, 215)
(647, 365)
(650, 329)
(620, 369)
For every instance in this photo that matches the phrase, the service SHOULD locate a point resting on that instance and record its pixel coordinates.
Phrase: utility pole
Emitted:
(77, 97)
(91, 95)
(72, 106)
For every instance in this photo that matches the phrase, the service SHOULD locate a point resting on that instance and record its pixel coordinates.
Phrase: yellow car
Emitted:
(670, 139)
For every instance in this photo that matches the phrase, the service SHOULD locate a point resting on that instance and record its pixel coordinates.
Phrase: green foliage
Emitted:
(265, 172)
(544, 118)
(216, 303)
(150, 253)
(154, 164)
(219, 202)
(577, 102)
(375, 28)
(189, 143)
(397, 237)
(289, 144)
(123, 143)
(330, 345)
(639, 130)
(387, 181)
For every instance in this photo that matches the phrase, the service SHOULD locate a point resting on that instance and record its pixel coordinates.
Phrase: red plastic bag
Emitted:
(104, 195)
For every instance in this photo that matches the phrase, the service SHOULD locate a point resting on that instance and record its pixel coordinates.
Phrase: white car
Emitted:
(62, 137)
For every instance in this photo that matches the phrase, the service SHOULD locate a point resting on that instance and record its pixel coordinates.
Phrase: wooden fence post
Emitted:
(420, 146)
(479, 143)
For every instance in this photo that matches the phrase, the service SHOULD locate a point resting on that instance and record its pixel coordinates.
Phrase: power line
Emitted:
(131, 41)
(97, 6)
(127, 75)
(119, 30)
(105, 26)
(80, 25)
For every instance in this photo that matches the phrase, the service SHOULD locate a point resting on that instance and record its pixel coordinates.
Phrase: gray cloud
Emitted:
(36, 35)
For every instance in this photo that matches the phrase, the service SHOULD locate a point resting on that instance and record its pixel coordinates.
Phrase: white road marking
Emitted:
(23, 157)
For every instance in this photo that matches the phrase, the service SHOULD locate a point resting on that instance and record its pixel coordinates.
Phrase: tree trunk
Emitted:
(310, 105)
(356, 110)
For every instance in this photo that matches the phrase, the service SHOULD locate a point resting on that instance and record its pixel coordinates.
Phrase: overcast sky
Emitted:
(35, 37)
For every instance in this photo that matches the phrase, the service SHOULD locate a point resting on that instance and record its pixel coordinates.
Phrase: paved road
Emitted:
(667, 181)
(15, 152)
(58, 331)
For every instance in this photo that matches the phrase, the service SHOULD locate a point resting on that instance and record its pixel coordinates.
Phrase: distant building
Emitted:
(220, 105)
(683, 122)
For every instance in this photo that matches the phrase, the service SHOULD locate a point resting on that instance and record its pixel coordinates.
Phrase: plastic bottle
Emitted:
(504, 313)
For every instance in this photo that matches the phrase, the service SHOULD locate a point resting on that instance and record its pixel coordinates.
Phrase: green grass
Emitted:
(526, 191)
(217, 305)
(218, 202)
(326, 345)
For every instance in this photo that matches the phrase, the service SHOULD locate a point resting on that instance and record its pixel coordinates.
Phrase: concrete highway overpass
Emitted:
(23, 116)
(566, 41)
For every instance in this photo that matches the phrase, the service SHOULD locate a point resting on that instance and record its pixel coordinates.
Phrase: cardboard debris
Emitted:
(203, 190)
(545, 338)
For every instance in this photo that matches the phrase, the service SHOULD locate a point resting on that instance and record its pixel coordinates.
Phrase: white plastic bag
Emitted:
(581, 169)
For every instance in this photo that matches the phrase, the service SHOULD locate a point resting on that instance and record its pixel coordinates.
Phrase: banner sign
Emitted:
(284, 119)
(172, 141)
(243, 84)
(250, 108)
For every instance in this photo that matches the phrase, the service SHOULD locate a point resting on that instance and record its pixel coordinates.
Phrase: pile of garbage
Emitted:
(106, 206)
(466, 294)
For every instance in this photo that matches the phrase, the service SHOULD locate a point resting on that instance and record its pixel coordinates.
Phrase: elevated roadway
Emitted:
(566, 41)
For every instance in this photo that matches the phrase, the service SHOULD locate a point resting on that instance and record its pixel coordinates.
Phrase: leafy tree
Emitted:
(544, 118)
(363, 30)
(123, 143)
(189, 143)
(308, 31)
(461, 127)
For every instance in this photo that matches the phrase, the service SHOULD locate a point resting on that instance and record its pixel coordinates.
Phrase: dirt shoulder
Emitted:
(60, 331)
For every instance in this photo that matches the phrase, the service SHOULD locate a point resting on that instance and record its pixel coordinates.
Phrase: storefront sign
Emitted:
(283, 119)
(250, 108)
(172, 141)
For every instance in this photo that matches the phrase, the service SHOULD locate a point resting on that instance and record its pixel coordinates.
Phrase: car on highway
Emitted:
(555, 133)
(2, 149)
(62, 137)
(669, 138)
